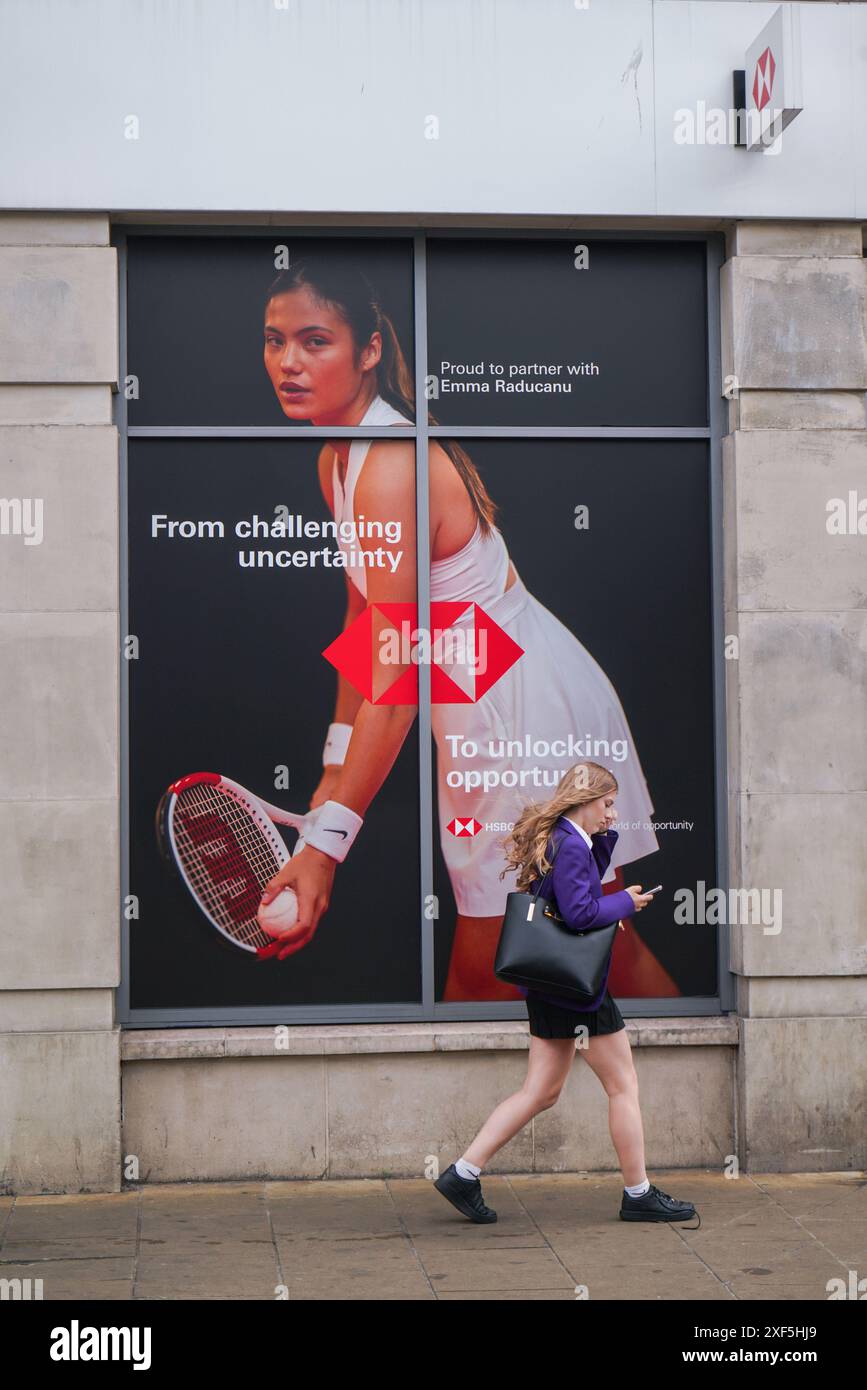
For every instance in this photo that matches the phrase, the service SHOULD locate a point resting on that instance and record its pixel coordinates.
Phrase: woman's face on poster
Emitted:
(312, 359)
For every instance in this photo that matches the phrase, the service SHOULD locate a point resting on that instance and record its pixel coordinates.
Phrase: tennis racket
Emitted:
(224, 843)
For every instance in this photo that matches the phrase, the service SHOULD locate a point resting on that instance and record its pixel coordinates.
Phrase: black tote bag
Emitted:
(537, 950)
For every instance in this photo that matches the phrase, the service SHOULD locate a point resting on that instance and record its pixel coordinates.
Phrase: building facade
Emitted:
(458, 144)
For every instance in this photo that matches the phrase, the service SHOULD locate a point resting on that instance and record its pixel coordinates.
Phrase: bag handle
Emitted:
(557, 845)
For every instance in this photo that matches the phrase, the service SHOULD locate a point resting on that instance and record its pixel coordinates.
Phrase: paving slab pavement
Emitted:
(558, 1236)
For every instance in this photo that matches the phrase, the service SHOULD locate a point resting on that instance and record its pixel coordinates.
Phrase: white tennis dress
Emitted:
(554, 691)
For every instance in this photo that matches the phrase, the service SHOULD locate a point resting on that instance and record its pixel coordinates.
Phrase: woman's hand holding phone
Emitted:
(640, 899)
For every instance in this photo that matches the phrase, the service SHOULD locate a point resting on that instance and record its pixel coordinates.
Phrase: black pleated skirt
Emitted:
(551, 1021)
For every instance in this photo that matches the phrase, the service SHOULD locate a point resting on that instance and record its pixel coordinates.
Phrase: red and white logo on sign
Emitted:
(464, 827)
(763, 80)
(467, 651)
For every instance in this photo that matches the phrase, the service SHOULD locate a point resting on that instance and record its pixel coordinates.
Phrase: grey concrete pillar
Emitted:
(59, 656)
(794, 315)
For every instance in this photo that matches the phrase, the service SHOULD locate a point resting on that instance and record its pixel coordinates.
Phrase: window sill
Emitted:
(164, 1044)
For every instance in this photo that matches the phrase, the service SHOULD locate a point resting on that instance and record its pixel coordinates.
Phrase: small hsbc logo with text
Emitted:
(468, 825)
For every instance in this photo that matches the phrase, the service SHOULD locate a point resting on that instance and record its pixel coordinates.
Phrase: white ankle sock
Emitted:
(639, 1189)
(466, 1170)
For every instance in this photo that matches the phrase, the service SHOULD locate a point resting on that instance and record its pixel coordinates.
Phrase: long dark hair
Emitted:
(334, 280)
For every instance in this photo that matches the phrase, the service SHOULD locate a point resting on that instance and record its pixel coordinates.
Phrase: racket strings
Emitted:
(228, 856)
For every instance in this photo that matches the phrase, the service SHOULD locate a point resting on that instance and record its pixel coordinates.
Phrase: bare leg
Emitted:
(547, 1069)
(610, 1057)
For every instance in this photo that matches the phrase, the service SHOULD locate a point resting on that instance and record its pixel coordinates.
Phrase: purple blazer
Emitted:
(575, 884)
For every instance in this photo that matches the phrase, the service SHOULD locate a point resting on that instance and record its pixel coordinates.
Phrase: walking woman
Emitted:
(577, 821)
(334, 359)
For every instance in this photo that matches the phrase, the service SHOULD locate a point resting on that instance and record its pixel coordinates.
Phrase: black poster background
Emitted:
(230, 679)
(635, 589)
(639, 312)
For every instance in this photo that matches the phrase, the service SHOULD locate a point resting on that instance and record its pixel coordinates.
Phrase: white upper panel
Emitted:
(327, 106)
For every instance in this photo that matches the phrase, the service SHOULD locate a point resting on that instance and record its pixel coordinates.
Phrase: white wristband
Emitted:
(336, 743)
(334, 830)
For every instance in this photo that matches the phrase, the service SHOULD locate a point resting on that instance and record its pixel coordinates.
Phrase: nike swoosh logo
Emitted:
(329, 831)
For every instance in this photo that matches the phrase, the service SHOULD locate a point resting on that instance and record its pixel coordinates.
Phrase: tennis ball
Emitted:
(279, 914)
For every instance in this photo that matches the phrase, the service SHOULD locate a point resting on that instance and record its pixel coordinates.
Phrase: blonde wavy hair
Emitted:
(525, 845)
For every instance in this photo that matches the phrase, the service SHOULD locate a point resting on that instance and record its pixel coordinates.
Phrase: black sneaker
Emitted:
(656, 1205)
(465, 1194)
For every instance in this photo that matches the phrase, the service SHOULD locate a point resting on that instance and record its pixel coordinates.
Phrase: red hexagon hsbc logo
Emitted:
(465, 827)
(466, 650)
(763, 80)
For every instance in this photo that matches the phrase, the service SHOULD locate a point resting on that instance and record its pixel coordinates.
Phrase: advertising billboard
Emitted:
(272, 606)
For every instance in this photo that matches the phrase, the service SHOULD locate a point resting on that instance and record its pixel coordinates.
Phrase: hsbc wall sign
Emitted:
(772, 76)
